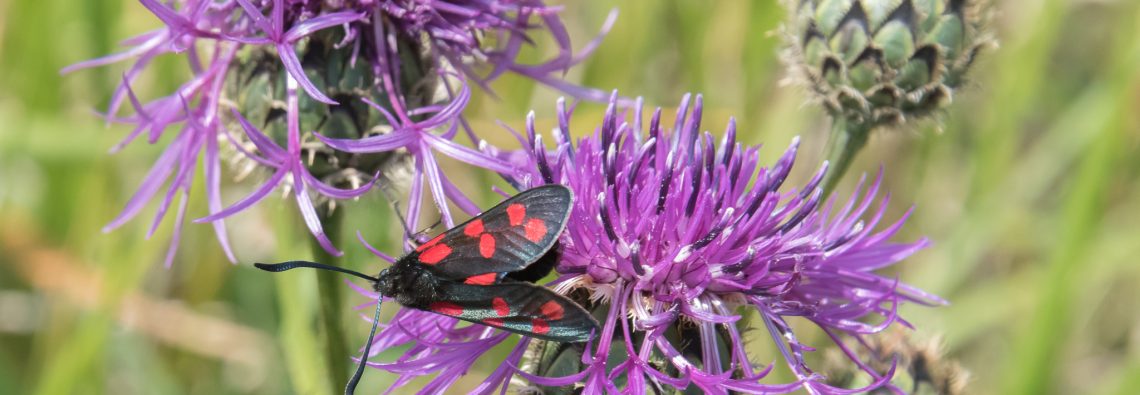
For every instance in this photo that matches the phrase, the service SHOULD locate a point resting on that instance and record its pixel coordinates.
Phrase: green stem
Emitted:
(332, 301)
(299, 339)
(847, 139)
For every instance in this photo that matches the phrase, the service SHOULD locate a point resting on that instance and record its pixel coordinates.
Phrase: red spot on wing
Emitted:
(516, 212)
(535, 230)
(482, 279)
(435, 254)
(487, 245)
(493, 322)
(430, 243)
(501, 307)
(474, 228)
(446, 308)
(552, 310)
(540, 326)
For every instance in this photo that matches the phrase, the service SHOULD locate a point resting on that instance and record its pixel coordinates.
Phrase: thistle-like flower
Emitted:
(273, 80)
(673, 240)
(875, 63)
(882, 62)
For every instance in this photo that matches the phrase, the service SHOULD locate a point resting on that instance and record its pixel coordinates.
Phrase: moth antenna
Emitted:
(283, 266)
(350, 389)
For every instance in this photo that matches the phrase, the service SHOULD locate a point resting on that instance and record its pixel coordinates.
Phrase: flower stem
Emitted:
(331, 301)
(847, 139)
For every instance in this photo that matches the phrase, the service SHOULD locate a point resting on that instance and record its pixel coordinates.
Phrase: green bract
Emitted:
(881, 62)
(256, 88)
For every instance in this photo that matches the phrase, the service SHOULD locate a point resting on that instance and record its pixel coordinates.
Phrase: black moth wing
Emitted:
(505, 238)
(519, 307)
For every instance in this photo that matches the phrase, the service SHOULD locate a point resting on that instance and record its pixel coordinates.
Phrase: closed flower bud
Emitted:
(883, 62)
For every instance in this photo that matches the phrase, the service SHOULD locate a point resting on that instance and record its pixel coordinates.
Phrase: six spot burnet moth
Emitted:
(482, 271)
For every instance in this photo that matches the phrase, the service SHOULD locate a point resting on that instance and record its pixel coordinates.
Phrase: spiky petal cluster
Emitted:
(675, 236)
(457, 30)
(302, 63)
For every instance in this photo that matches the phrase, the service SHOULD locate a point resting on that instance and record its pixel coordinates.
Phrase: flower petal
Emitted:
(322, 22)
(293, 66)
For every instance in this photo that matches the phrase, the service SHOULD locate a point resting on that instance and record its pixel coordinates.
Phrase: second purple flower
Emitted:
(327, 97)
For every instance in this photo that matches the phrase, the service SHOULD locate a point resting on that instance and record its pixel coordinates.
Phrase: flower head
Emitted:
(272, 81)
(884, 62)
(673, 236)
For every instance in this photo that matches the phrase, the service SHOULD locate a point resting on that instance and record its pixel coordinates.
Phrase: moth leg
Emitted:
(415, 238)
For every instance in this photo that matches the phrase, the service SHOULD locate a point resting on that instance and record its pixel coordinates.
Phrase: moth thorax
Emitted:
(410, 284)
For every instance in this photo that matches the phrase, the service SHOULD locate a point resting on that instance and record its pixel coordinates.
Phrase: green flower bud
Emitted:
(883, 62)
(256, 87)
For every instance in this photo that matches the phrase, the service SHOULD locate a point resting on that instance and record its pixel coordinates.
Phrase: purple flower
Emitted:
(675, 236)
(225, 42)
(288, 167)
(198, 135)
(283, 41)
(453, 27)
(418, 139)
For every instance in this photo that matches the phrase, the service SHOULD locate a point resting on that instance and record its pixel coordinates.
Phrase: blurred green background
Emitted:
(1028, 186)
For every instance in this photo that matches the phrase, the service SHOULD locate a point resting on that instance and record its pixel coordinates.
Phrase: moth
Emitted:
(483, 270)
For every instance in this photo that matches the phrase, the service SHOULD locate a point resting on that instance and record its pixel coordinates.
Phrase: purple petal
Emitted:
(249, 40)
(267, 146)
(166, 15)
(380, 143)
(240, 147)
(293, 66)
(324, 21)
(177, 235)
(331, 191)
(153, 180)
(458, 197)
(154, 38)
(468, 155)
(373, 250)
(432, 174)
(254, 197)
(309, 213)
(262, 23)
(415, 196)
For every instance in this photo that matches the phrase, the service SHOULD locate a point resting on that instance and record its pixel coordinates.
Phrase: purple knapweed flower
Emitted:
(457, 29)
(288, 164)
(249, 59)
(672, 237)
